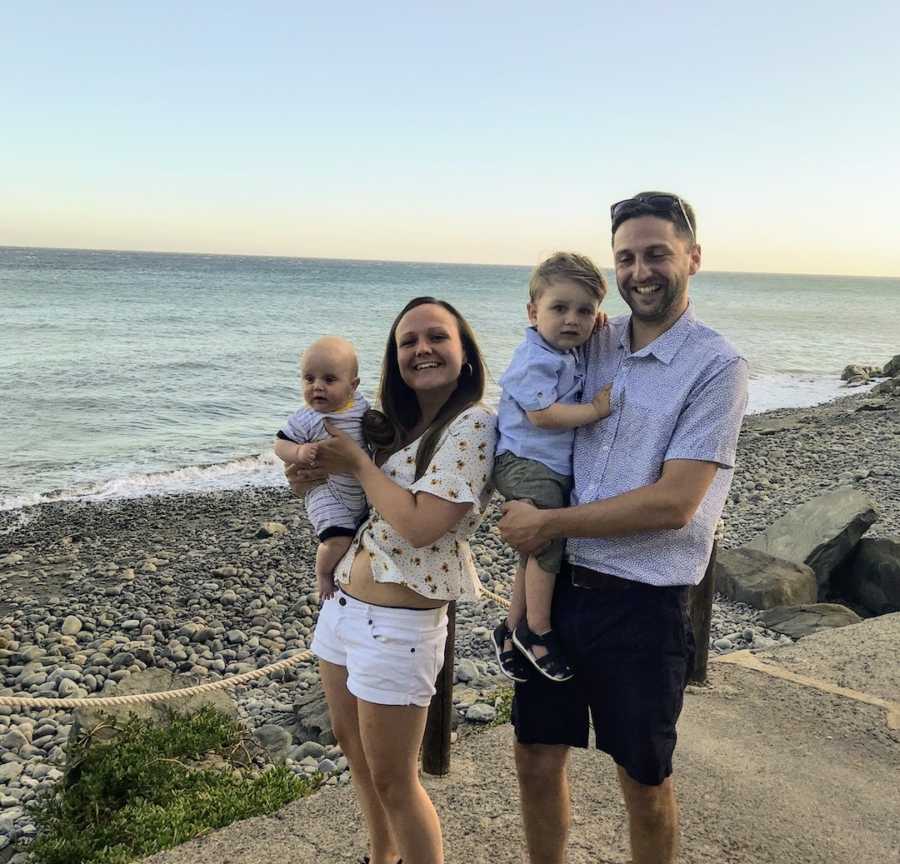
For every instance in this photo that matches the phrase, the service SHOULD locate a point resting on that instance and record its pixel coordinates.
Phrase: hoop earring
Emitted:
(468, 366)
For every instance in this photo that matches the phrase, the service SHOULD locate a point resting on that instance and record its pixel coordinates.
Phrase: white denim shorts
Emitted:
(393, 656)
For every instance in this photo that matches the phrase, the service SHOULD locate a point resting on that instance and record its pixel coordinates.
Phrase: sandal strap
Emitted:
(553, 662)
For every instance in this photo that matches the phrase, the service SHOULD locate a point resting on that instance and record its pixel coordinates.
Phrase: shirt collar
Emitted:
(666, 345)
(534, 338)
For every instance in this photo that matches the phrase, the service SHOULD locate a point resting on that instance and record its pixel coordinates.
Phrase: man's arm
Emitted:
(669, 503)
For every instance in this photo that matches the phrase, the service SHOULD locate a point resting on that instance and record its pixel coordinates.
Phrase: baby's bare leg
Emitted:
(328, 554)
(538, 599)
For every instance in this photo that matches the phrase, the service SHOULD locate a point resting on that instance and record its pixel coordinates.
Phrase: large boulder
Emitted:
(762, 581)
(89, 719)
(800, 621)
(275, 739)
(856, 371)
(872, 577)
(892, 367)
(821, 533)
(311, 720)
(891, 387)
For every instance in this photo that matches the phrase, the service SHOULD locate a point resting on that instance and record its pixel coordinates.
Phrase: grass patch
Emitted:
(153, 787)
(503, 705)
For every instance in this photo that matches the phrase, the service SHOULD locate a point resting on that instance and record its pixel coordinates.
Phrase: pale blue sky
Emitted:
(490, 132)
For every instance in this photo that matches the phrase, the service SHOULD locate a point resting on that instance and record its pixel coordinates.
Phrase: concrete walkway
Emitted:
(768, 770)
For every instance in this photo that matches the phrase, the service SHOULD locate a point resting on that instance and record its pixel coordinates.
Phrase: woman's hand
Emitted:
(303, 479)
(339, 454)
(600, 323)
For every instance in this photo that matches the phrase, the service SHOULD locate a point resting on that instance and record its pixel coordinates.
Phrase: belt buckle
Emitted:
(584, 583)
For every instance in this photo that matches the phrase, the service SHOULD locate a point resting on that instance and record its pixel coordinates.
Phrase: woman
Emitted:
(380, 640)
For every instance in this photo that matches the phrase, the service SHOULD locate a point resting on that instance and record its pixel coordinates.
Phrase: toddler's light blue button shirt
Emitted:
(539, 376)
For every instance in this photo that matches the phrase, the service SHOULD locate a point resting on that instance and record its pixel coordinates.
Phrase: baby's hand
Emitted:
(326, 587)
(306, 455)
(601, 402)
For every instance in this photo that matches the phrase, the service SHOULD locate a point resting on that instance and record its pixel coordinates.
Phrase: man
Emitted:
(650, 483)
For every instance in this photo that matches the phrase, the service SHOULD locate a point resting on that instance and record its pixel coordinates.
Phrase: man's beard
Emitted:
(666, 296)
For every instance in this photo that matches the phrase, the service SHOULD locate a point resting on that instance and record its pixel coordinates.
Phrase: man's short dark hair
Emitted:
(640, 205)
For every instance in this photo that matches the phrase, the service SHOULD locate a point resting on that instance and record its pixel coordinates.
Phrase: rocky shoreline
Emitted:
(91, 594)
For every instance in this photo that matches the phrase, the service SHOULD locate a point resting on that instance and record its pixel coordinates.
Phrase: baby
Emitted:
(540, 407)
(338, 506)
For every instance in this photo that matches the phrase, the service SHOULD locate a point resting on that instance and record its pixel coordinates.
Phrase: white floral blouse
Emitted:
(460, 470)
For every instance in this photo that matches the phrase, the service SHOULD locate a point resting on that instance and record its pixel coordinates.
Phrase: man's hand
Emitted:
(302, 479)
(524, 526)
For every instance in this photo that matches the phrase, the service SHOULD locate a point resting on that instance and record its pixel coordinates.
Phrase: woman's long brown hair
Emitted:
(389, 428)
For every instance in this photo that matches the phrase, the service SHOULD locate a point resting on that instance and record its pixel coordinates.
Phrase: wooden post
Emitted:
(436, 743)
(700, 598)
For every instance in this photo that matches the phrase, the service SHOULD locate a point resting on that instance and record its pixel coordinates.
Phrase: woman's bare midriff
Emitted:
(363, 587)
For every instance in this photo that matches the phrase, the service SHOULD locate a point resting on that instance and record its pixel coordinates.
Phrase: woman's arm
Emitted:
(419, 518)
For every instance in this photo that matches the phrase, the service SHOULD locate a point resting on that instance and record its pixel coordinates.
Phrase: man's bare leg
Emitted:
(652, 820)
(544, 796)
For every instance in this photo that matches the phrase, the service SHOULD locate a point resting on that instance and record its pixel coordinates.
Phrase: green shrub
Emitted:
(503, 704)
(143, 791)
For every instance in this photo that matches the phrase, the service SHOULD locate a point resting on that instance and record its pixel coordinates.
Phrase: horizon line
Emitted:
(399, 261)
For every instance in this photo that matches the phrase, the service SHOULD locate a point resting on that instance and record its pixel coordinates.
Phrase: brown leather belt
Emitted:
(593, 580)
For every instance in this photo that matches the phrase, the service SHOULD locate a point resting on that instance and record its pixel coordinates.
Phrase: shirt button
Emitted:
(606, 446)
(342, 601)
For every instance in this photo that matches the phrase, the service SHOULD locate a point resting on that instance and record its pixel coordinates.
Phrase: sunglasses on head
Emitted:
(666, 204)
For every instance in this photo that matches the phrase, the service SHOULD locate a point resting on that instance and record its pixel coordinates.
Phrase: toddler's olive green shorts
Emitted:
(517, 478)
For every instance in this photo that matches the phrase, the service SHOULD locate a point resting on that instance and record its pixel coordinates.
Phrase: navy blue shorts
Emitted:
(632, 648)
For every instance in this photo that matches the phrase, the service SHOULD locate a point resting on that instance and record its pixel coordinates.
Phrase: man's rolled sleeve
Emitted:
(710, 423)
(534, 382)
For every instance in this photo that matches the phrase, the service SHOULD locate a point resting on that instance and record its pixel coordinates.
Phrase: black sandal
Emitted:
(510, 662)
(365, 860)
(553, 664)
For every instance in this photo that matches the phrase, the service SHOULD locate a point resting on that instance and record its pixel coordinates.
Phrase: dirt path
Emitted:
(768, 770)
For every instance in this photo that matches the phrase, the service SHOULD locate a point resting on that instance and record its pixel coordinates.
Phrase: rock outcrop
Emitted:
(800, 621)
(872, 577)
(151, 681)
(820, 533)
(761, 580)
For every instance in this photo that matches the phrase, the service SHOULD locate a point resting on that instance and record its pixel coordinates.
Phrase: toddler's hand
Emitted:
(600, 323)
(326, 587)
(601, 402)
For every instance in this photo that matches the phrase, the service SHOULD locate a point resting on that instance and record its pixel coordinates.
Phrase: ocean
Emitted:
(134, 373)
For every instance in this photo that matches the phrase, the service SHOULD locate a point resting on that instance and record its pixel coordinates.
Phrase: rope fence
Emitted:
(288, 662)
(181, 692)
